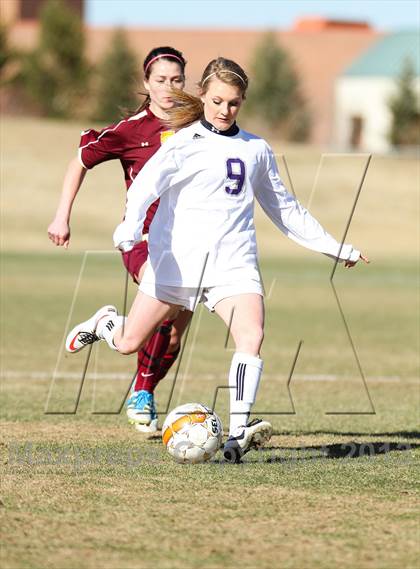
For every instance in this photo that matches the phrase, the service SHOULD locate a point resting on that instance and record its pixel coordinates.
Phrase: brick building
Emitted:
(320, 49)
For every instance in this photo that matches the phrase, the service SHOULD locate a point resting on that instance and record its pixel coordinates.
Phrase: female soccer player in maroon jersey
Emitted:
(133, 141)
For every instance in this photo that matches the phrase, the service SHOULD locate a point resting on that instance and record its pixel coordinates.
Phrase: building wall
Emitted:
(9, 11)
(319, 56)
(15, 11)
(366, 98)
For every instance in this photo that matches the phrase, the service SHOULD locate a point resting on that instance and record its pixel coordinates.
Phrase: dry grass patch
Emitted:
(99, 522)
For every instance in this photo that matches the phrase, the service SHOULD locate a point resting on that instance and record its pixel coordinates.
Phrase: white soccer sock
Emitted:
(244, 378)
(107, 327)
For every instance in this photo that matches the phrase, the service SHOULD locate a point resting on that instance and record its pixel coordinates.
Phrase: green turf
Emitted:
(330, 490)
(336, 486)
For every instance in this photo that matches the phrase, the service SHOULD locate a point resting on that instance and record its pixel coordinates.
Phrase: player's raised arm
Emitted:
(154, 179)
(293, 219)
(59, 229)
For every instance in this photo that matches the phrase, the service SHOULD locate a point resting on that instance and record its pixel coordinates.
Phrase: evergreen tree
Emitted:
(5, 54)
(117, 81)
(55, 74)
(275, 94)
(405, 109)
(9, 59)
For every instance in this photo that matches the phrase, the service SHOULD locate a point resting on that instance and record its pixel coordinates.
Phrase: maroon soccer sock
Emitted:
(150, 358)
(166, 363)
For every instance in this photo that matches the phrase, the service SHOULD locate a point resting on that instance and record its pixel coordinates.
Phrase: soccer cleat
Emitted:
(147, 429)
(141, 408)
(252, 436)
(85, 333)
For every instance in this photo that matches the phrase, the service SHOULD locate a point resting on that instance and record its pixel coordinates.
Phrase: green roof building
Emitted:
(363, 90)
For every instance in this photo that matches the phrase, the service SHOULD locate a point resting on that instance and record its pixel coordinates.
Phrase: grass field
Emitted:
(338, 484)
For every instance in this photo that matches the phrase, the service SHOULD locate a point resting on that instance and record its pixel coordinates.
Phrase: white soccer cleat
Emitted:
(85, 333)
(252, 436)
(147, 429)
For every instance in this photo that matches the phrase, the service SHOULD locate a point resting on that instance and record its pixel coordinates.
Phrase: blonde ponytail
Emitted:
(187, 110)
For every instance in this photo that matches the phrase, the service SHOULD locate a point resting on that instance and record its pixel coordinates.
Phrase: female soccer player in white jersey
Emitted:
(202, 245)
(133, 141)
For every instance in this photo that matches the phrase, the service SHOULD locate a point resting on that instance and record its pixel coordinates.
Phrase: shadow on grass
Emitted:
(347, 450)
(398, 434)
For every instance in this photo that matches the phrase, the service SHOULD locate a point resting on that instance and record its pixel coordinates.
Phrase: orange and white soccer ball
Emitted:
(192, 433)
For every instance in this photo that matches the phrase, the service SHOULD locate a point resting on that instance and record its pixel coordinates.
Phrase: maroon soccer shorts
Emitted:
(133, 260)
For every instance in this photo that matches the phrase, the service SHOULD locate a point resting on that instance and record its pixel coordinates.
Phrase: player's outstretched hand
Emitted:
(350, 264)
(59, 233)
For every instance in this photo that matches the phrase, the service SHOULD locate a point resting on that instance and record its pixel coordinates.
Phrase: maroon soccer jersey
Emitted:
(132, 141)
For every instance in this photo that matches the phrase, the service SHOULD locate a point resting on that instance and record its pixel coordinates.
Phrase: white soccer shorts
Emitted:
(189, 297)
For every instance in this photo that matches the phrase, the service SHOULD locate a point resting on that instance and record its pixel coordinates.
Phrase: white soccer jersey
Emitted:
(203, 232)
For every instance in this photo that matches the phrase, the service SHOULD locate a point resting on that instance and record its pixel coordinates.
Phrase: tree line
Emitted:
(57, 81)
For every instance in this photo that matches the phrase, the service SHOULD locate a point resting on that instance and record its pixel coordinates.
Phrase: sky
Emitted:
(382, 14)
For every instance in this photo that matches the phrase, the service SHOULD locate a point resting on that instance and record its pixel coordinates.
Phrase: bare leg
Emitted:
(245, 313)
(178, 329)
(145, 316)
(247, 324)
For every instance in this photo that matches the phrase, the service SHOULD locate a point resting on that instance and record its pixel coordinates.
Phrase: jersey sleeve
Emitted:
(292, 218)
(148, 186)
(99, 146)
